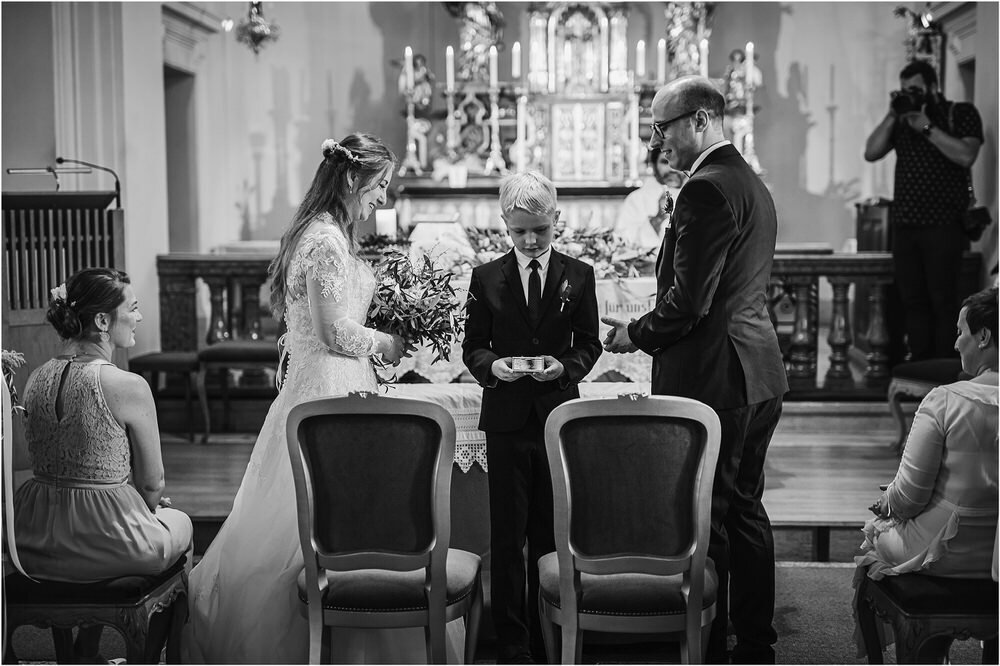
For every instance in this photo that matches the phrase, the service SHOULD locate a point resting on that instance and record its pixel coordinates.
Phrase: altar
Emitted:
(622, 298)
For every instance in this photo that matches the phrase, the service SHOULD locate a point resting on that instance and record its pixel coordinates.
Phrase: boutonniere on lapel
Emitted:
(564, 293)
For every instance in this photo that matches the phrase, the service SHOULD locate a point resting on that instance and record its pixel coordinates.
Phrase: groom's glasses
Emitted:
(657, 129)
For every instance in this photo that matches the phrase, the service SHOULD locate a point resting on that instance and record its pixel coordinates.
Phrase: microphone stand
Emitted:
(118, 184)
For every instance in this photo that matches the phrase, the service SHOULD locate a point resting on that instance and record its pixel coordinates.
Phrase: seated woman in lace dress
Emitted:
(89, 426)
(939, 515)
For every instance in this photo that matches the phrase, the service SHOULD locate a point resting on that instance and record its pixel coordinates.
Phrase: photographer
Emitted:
(936, 142)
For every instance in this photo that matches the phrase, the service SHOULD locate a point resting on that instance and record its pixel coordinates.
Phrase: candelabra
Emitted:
(410, 161)
(495, 161)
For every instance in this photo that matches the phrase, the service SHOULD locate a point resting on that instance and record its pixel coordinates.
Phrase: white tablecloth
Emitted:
(463, 402)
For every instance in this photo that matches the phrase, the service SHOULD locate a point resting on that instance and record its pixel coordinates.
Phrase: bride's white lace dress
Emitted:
(244, 607)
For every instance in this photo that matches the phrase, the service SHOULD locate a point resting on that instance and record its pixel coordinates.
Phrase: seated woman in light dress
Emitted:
(89, 425)
(939, 515)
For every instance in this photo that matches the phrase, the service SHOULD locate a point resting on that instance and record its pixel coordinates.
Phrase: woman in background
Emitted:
(88, 426)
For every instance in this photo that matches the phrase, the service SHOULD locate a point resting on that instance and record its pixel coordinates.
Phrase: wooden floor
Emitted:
(824, 466)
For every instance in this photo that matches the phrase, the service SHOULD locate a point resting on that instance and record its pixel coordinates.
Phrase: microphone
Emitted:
(118, 184)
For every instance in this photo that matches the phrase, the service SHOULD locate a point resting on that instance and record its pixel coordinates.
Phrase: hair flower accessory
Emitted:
(564, 294)
(333, 146)
(58, 293)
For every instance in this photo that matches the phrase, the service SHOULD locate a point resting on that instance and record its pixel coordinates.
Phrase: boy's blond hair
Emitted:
(529, 191)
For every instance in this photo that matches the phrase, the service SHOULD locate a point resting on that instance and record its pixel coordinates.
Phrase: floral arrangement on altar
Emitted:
(608, 253)
(610, 256)
(417, 303)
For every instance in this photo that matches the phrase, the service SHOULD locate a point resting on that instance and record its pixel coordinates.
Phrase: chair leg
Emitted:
(472, 620)
(548, 633)
(868, 623)
(933, 650)
(572, 641)
(203, 399)
(179, 616)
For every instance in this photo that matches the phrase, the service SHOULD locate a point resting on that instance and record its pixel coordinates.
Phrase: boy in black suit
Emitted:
(533, 302)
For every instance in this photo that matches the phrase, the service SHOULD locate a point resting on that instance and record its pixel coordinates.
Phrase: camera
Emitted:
(907, 101)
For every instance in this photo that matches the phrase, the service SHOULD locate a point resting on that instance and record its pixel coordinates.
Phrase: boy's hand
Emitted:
(501, 370)
(617, 340)
(553, 370)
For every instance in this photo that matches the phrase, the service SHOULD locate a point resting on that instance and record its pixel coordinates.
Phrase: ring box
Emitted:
(527, 364)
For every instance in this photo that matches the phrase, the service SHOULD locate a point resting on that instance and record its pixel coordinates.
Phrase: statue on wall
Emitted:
(480, 26)
(688, 23)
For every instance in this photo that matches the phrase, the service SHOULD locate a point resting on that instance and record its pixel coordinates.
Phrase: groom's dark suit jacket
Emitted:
(709, 334)
(498, 326)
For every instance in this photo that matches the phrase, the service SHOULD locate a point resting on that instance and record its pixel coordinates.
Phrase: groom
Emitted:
(711, 339)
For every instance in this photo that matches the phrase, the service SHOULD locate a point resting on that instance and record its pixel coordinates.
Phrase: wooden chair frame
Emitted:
(572, 563)
(433, 560)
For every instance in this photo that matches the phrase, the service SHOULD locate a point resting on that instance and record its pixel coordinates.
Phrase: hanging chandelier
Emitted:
(256, 31)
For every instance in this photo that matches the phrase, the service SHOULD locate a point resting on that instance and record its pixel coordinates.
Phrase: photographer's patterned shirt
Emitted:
(930, 189)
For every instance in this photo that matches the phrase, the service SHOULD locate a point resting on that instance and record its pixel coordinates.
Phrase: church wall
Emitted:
(827, 68)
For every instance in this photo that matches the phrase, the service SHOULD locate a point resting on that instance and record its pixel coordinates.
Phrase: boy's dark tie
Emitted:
(534, 291)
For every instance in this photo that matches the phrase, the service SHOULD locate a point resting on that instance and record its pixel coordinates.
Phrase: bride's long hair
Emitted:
(357, 157)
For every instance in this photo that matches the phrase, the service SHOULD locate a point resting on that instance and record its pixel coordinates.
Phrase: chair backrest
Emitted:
(372, 481)
(632, 483)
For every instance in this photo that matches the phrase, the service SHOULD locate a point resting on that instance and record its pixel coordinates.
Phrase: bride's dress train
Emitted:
(244, 605)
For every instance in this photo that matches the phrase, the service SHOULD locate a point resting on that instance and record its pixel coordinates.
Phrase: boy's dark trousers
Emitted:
(520, 508)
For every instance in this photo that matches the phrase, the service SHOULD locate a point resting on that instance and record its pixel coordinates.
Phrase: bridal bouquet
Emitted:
(418, 303)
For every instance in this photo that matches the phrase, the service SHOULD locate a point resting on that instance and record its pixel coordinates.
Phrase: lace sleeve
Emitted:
(327, 264)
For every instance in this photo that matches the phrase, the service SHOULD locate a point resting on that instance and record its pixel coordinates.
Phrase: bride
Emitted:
(243, 598)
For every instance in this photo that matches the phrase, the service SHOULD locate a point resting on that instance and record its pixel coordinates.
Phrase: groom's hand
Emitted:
(617, 340)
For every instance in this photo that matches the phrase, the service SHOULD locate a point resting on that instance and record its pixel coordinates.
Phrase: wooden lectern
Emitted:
(48, 236)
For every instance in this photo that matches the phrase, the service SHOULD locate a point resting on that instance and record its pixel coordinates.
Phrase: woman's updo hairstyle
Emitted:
(357, 157)
(85, 294)
(981, 312)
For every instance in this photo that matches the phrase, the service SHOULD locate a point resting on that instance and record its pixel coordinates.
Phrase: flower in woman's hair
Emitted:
(332, 146)
(564, 294)
(58, 293)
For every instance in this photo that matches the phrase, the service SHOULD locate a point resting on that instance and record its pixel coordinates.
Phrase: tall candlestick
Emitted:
(703, 58)
(748, 71)
(640, 59)
(494, 79)
(661, 61)
(515, 61)
(449, 68)
(408, 67)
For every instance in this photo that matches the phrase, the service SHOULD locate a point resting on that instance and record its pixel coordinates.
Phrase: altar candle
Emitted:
(494, 79)
(408, 67)
(449, 68)
(515, 61)
(661, 61)
(748, 72)
(703, 58)
(640, 59)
